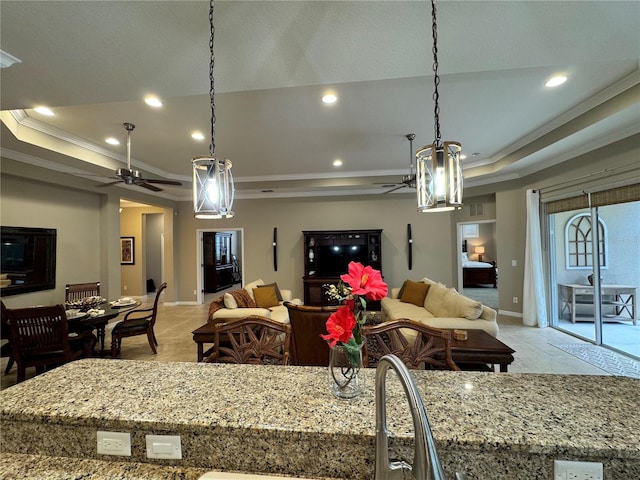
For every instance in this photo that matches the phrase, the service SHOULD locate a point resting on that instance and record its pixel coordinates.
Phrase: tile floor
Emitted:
(534, 353)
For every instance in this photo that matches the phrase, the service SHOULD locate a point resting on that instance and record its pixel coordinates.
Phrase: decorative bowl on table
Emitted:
(85, 304)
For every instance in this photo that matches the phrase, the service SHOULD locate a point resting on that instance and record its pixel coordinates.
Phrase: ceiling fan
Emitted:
(407, 180)
(132, 177)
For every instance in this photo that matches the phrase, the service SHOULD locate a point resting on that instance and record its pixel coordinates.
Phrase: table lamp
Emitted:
(479, 250)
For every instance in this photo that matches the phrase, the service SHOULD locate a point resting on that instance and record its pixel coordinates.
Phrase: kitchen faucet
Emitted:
(426, 464)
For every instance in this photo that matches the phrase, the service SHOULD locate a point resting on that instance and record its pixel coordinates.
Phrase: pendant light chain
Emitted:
(436, 78)
(212, 145)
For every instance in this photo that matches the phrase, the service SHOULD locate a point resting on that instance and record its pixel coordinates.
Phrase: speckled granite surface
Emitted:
(284, 420)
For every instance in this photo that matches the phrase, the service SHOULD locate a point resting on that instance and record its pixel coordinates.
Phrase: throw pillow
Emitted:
(250, 286)
(402, 289)
(274, 284)
(229, 301)
(265, 297)
(414, 292)
(460, 306)
(435, 299)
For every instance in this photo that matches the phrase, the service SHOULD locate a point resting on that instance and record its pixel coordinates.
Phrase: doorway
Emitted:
(219, 261)
(477, 246)
(153, 238)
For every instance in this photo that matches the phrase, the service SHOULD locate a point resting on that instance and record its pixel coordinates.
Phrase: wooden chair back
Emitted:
(307, 324)
(137, 322)
(39, 337)
(415, 343)
(253, 340)
(77, 291)
(6, 350)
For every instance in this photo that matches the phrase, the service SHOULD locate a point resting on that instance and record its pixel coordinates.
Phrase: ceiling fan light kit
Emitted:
(439, 180)
(213, 188)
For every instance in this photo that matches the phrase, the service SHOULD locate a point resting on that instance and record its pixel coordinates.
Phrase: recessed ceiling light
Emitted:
(112, 141)
(197, 136)
(462, 157)
(153, 101)
(329, 98)
(44, 111)
(556, 80)
(337, 162)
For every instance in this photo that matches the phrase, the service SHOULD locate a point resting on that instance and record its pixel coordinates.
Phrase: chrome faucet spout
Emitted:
(426, 464)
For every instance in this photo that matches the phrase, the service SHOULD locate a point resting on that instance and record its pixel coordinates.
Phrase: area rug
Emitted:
(610, 362)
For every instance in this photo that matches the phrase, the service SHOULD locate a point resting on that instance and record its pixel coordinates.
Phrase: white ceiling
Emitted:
(92, 62)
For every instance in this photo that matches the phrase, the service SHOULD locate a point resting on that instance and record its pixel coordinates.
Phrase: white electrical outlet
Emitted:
(515, 299)
(114, 443)
(124, 288)
(566, 470)
(514, 263)
(164, 446)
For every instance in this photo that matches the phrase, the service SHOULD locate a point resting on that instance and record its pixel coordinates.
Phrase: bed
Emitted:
(477, 273)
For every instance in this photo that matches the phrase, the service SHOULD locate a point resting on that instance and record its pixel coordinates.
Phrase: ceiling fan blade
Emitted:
(163, 182)
(394, 189)
(148, 186)
(109, 184)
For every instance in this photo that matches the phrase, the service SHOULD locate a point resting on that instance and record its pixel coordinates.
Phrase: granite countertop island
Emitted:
(284, 420)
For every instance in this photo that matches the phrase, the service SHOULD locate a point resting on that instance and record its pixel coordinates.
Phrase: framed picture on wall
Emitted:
(127, 251)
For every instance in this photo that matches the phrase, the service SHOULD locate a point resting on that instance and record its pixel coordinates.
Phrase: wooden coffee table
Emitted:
(481, 349)
(202, 335)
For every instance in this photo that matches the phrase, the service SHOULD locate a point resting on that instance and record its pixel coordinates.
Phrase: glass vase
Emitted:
(344, 372)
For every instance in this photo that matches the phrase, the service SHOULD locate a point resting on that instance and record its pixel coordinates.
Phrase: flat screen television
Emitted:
(28, 259)
(333, 260)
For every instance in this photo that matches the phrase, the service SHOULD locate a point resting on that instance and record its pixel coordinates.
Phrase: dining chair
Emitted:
(137, 322)
(416, 344)
(253, 340)
(40, 338)
(6, 350)
(307, 324)
(77, 291)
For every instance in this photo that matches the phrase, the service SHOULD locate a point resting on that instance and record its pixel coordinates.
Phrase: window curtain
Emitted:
(534, 305)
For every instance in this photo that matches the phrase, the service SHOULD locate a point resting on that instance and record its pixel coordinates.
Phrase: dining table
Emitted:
(98, 318)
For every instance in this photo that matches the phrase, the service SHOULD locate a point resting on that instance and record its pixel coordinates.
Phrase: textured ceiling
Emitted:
(93, 61)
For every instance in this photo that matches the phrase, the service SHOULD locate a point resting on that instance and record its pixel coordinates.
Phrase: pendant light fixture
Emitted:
(438, 170)
(213, 188)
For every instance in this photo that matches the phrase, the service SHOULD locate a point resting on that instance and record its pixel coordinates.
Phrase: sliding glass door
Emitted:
(597, 300)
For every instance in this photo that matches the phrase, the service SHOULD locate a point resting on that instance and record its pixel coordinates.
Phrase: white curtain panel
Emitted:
(534, 306)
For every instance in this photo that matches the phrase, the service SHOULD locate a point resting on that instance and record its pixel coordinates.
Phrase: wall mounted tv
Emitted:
(28, 260)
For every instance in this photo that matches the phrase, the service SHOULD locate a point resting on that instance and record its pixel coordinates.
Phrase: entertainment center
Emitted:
(327, 254)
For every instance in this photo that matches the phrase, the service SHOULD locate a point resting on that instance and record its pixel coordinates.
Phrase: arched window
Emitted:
(578, 247)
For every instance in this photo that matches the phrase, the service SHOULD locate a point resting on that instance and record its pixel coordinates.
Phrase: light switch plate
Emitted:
(164, 446)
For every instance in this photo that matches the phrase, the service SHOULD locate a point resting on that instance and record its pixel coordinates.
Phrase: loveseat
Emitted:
(435, 305)
(255, 298)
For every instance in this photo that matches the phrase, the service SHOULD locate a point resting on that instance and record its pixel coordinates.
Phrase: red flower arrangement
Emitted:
(353, 290)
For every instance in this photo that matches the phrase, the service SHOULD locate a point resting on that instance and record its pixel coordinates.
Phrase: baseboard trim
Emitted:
(180, 302)
(507, 313)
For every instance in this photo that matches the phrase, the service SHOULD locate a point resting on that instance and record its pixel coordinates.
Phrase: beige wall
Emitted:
(76, 217)
(89, 225)
(433, 236)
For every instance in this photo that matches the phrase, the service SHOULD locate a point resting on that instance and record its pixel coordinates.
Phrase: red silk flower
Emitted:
(340, 326)
(365, 281)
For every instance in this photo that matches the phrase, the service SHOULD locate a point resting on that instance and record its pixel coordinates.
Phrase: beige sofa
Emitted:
(442, 308)
(228, 307)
